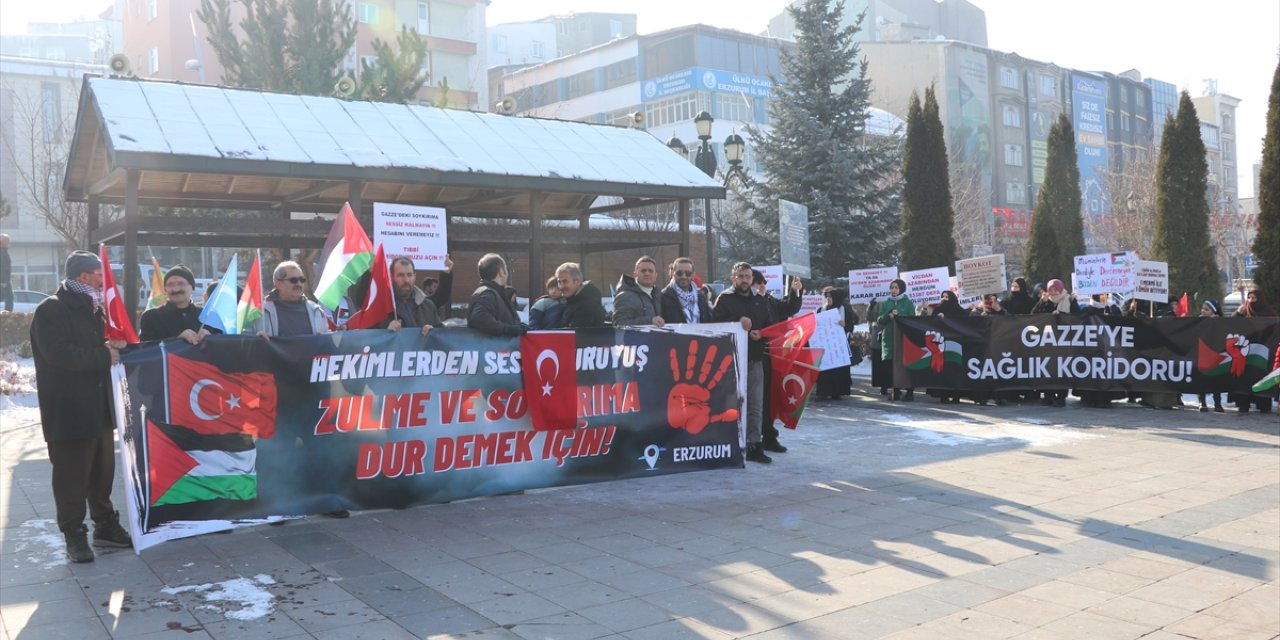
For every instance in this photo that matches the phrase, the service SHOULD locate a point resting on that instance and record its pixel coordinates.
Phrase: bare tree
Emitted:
(1132, 193)
(970, 201)
(39, 148)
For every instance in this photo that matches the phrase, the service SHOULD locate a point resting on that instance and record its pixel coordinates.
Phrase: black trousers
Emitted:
(6, 297)
(83, 471)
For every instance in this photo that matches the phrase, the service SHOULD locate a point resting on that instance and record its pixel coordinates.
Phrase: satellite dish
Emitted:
(345, 87)
(506, 106)
(119, 65)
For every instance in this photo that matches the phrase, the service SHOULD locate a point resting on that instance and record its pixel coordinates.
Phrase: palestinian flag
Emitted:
(158, 294)
(250, 307)
(186, 466)
(347, 255)
(1238, 354)
(936, 352)
(1266, 384)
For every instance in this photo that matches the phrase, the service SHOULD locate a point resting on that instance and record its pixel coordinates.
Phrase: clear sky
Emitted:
(1234, 41)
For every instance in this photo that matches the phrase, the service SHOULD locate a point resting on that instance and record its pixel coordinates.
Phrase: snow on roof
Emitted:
(208, 124)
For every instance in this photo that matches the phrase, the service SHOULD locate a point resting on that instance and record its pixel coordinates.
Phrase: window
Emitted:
(580, 84)
(1013, 155)
(1010, 115)
(424, 19)
(538, 51)
(51, 112)
(153, 60)
(665, 57)
(615, 28)
(620, 73)
(368, 13)
(682, 108)
(733, 106)
(1009, 77)
(151, 10)
(1124, 122)
(1228, 123)
(1140, 98)
(499, 44)
(1048, 85)
(1015, 192)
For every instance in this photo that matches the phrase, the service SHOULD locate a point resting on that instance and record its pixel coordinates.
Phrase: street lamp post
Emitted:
(705, 160)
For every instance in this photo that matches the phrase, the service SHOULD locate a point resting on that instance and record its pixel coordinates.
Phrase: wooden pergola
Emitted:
(162, 144)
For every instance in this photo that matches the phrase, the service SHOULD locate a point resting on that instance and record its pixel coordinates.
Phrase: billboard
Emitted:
(1089, 117)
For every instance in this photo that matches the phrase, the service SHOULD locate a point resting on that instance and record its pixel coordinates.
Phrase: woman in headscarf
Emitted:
(1254, 307)
(881, 369)
(838, 382)
(897, 304)
(1098, 306)
(1057, 301)
(1210, 309)
(949, 307)
(1019, 301)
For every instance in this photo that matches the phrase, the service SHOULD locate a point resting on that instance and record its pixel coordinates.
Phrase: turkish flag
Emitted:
(792, 382)
(379, 301)
(117, 325)
(549, 366)
(210, 401)
(791, 333)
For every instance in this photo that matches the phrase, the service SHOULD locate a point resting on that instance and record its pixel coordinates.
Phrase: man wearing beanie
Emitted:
(179, 317)
(73, 381)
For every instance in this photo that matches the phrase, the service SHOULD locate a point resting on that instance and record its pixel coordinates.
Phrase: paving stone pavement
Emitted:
(885, 519)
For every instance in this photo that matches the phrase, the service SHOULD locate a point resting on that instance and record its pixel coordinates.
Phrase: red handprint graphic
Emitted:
(935, 343)
(1237, 345)
(687, 404)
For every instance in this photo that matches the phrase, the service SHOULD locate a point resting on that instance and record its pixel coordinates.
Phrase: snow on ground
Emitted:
(18, 404)
(238, 599)
(952, 433)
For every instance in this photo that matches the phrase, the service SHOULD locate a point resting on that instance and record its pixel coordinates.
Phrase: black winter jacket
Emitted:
(584, 309)
(73, 368)
(491, 313)
(672, 311)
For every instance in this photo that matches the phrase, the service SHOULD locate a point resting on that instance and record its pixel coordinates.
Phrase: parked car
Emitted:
(25, 301)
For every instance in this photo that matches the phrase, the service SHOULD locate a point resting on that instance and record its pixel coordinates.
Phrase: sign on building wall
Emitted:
(1089, 116)
(702, 79)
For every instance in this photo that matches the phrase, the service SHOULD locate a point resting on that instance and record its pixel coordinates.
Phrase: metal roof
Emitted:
(217, 146)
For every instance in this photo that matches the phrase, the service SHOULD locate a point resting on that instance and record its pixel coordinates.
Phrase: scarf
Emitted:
(688, 302)
(1062, 300)
(898, 297)
(81, 288)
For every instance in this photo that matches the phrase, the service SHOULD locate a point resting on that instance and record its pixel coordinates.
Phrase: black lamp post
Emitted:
(706, 161)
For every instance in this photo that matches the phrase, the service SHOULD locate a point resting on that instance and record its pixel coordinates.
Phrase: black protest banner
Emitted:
(242, 428)
(1177, 355)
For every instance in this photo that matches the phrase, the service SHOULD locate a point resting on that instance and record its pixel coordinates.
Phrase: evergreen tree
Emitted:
(1057, 230)
(1266, 245)
(819, 153)
(1182, 211)
(298, 46)
(396, 75)
(927, 216)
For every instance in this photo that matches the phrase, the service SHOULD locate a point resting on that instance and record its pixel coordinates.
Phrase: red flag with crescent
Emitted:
(210, 401)
(791, 383)
(548, 363)
(116, 323)
(379, 302)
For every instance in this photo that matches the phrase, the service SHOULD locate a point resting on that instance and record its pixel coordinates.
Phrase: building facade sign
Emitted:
(1089, 116)
(702, 79)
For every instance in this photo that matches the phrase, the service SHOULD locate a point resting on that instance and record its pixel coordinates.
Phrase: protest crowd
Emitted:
(358, 295)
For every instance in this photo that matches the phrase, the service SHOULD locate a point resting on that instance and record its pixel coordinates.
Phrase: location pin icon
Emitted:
(651, 455)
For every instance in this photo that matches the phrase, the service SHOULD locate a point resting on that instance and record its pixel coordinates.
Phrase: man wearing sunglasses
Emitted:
(286, 310)
(682, 302)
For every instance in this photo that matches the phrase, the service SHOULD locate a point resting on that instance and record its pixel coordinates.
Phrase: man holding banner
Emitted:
(287, 311)
(741, 304)
(73, 365)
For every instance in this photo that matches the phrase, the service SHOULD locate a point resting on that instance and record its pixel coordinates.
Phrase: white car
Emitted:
(25, 301)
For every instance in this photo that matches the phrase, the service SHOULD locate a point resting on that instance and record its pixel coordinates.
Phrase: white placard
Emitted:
(866, 285)
(772, 279)
(1151, 280)
(925, 286)
(966, 302)
(810, 303)
(982, 275)
(1104, 273)
(829, 336)
(417, 233)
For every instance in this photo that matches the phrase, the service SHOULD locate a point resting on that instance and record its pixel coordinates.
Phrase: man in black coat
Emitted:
(741, 304)
(490, 310)
(179, 317)
(73, 382)
(583, 308)
(681, 300)
(638, 300)
(6, 273)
